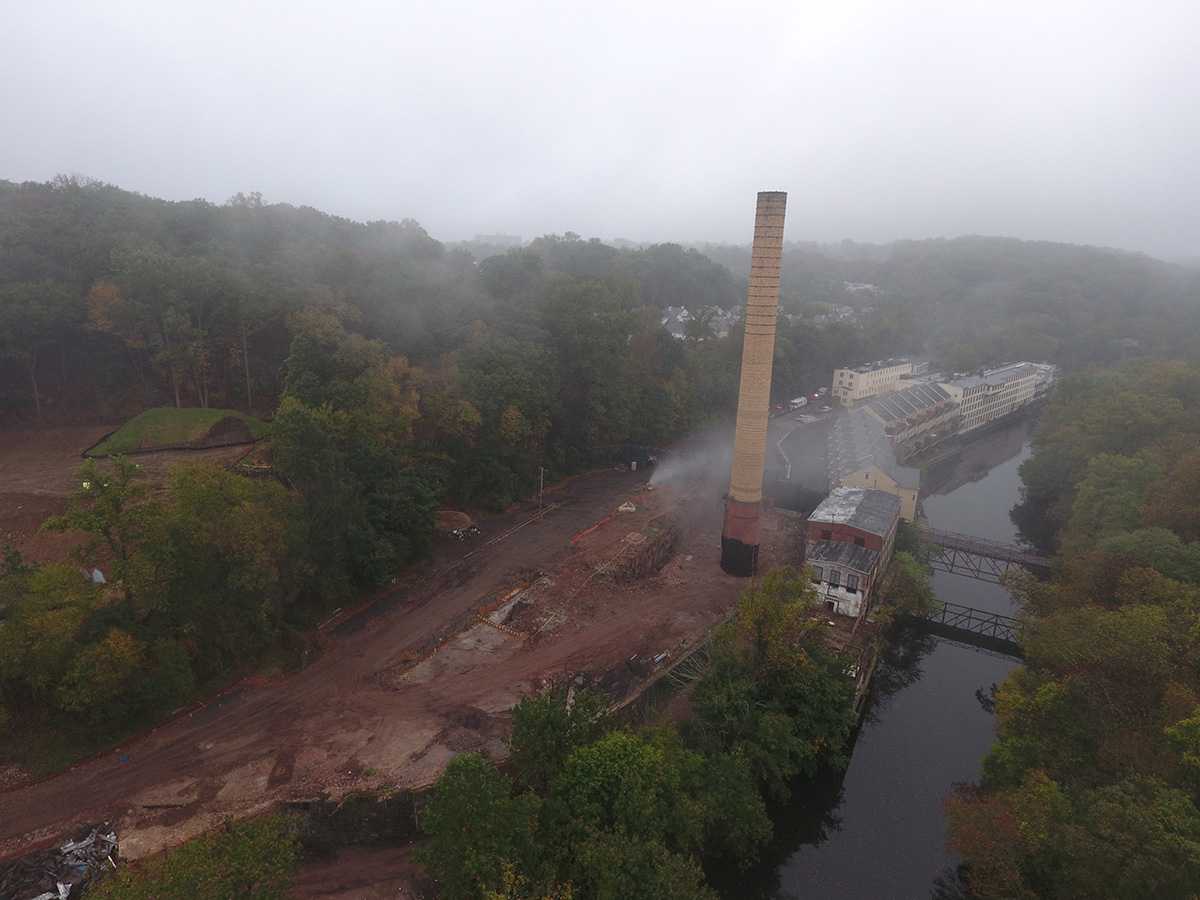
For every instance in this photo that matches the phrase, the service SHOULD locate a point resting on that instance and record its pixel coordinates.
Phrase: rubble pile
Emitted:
(60, 873)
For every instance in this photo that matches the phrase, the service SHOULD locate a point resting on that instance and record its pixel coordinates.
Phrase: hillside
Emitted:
(116, 301)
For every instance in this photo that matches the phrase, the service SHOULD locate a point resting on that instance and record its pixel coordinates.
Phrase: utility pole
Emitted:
(541, 487)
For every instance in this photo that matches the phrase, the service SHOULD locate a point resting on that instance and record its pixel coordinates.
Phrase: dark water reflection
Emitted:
(876, 831)
(814, 813)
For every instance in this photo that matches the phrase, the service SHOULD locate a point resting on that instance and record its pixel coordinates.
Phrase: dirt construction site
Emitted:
(574, 591)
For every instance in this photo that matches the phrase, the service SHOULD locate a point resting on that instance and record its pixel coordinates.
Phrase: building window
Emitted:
(816, 576)
(835, 578)
(852, 584)
(860, 542)
(826, 534)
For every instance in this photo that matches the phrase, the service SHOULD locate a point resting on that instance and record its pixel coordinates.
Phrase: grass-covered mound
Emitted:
(170, 427)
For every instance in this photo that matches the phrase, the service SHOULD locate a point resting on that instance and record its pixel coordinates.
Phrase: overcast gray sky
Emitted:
(1065, 121)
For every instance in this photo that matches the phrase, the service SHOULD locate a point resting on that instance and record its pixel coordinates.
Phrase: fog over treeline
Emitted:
(551, 353)
(402, 374)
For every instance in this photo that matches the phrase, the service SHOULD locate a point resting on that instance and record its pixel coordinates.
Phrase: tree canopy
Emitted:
(1090, 789)
(627, 813)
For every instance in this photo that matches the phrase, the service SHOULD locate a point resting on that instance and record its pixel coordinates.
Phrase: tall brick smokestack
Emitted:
(743, 504)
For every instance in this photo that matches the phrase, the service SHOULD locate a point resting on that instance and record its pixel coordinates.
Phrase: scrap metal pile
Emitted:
(60, 873)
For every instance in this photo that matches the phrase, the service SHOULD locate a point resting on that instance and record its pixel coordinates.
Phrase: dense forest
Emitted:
(110, 297)
(1091, 788)
(397, 374)
(400, 373)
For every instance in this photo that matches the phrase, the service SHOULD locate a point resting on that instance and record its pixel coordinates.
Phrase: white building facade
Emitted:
(852, 385)
(995, 393)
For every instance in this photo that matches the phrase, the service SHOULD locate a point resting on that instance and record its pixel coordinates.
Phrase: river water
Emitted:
(876, 831)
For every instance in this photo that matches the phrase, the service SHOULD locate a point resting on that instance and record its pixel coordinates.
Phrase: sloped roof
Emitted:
(859, 442)
(915, 399)
(863, 508)
(840, 553)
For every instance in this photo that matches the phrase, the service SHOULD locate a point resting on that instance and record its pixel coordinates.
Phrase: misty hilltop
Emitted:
(192, 299)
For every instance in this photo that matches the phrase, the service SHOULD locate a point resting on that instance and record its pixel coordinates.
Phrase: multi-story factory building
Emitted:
(995, 393)
(852, 385)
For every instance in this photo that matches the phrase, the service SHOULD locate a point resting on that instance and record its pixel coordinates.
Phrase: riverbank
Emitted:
(877, 829)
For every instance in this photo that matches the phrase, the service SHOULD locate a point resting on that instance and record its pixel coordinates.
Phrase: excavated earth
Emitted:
(578, 592)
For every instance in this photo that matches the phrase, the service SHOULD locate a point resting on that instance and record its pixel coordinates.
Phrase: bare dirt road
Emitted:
(416, 677)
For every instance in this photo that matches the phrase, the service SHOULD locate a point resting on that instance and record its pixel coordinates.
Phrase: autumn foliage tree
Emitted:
(343, 439)
(1090, 789)
(197, 577)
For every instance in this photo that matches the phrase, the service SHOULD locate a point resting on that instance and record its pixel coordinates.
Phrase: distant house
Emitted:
(723, 320)
(675, 319)
(847, 315)
(848, 543)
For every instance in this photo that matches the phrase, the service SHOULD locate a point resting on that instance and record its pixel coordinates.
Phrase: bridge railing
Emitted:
(977, 627)
(984, 547)
(977, 621)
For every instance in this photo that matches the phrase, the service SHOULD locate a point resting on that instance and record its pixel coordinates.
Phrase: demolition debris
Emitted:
(63, 872)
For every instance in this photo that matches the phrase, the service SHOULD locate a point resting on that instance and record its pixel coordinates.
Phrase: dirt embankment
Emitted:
(36, 467)
(37, 475)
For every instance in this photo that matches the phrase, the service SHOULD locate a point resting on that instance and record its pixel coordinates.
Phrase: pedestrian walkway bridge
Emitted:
(979, 558)
(974, 627)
